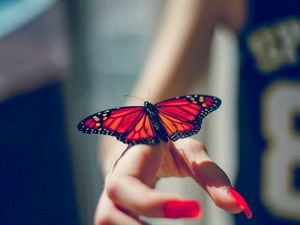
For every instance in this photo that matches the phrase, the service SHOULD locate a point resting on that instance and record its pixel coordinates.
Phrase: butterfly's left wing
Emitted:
(131, 125)
(182, 116)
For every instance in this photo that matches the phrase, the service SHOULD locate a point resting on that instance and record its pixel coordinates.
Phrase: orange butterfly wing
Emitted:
(128, 124)
(182, 116)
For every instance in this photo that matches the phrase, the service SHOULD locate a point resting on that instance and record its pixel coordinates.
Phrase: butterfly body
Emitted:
(171, 119)
(152, 112)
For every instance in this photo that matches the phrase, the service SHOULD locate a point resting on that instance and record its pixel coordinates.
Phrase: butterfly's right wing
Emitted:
(130, 125)
(182, 116)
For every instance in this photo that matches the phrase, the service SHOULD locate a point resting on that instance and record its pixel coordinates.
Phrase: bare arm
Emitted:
(178, 58)
(180, 51)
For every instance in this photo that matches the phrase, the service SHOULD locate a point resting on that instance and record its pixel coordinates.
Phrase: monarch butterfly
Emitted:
(172, 119)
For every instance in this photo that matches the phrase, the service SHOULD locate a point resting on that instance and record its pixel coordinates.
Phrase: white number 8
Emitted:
(280, 105)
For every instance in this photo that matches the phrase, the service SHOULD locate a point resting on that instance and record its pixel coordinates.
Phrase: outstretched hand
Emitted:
(129, 186)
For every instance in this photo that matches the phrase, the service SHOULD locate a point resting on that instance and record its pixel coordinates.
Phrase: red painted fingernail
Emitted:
(241, 202)
(180, 209)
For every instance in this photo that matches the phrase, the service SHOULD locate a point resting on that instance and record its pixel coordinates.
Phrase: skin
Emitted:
(171, 70)
(136, 173)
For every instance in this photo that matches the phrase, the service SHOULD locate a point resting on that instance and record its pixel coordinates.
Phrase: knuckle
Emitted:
(141, 206)
(103, 219)
(112, 187)
(145, 207)
(198, 145)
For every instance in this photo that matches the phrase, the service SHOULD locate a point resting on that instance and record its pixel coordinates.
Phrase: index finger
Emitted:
(210, 176)
(130, 185)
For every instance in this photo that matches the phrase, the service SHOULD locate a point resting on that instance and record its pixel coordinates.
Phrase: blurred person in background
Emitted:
(269, 121)
(35, 176)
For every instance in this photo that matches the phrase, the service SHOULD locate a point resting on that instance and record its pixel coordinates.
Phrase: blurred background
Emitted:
(63, 60)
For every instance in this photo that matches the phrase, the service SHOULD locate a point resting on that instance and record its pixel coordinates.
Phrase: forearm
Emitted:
(180, 52)
(176, 61)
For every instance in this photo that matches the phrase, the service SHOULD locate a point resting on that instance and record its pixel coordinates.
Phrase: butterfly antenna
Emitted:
(148, 95)
(121, 156)
(131, 96)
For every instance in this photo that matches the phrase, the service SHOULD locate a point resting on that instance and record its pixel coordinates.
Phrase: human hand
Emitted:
(129, 187)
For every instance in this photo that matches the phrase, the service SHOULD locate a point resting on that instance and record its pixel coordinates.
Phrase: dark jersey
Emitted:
(269, 109)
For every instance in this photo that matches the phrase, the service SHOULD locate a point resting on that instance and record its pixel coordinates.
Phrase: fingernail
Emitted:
(241, 202)
(180, 209)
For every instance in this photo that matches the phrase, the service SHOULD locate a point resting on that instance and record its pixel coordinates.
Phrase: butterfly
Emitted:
(170, 119)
